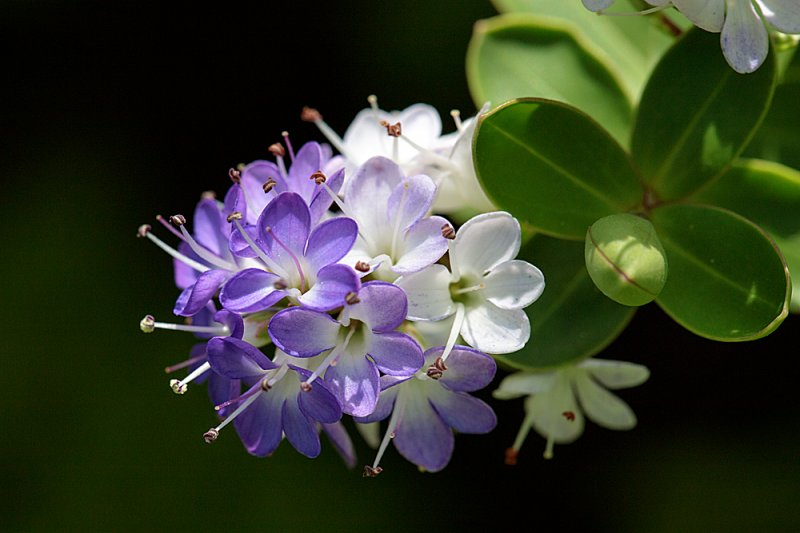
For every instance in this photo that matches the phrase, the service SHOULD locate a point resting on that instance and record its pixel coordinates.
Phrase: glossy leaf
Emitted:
(768, 194)
(572, 319)
(520, 55)
(553, 167)
(696, 115)
(727, 280)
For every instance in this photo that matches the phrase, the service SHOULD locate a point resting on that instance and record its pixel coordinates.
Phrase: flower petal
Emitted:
(745, 43)
(221, 389)
(195, 297)
(383, 408)
(495, 331)
(321, 200)
(286, 217)
(330, 241)
(602, 407)
(463, 412)
(367, 193)
(616, 374)
(597, 5)
(514, 284)
(485, 241)
(341, 441)
(250, 290)
(784, 15)
(259, 426)
(410, 201)
(239, 246)
(308, 160)
(333, 284)
(237, 359)
(421, 436)
(300, 430)
(705, 14)
(395, 353)
(547, 412)
(318, 403)
(208, 227)
(232, 321)
(302, 332)
(428, 293)
(382, 306)
(355, 383)
(524, 384)
(468, 370)
(422, 245)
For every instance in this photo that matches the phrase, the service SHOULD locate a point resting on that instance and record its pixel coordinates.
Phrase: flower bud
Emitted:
(625, 259)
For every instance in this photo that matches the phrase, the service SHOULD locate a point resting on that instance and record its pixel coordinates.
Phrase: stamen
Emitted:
(456, 114)
(373, 102)
(399, 407)
(548, 450)
(351, 298)
(235, 175)
(361, 266)
(454, 331)
(212, 434)
(436, 370)
(285, 135)
(319, 177)
(511, 457)
(269, 185)
(148, 324)
(184, 364)
(295, 260)
(144, 231)
(177, 220)
(437, 158)
(448, 232)
(392, 130)
(179, 386)
(522, 434)
(305, 387)
(309, 114)
(331, 357)
(281, 285)
(279, 151)
(208, 195)
(271, 265)
(204, 253)
(167, 225)
(478, 287)
(255, 389)
(371, 472)
(569, 415)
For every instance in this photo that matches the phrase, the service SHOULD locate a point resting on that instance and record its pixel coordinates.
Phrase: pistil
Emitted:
(270, 264)
(144, 231)
(294, 258)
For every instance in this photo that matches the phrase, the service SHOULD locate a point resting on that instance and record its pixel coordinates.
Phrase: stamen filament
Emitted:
(169, 226)
(216, 330)
(278, 375)
(295, 260)
(179, 387)
(437, 158)
(456, 114)
(272, 265)
(239, 410)
(548, 450)
(176, 254)
(335, 352)
(454, 331)
(399, 407)
(204, 253)
(478, 287)
(285, 135)
(281, 166)
(522, 434)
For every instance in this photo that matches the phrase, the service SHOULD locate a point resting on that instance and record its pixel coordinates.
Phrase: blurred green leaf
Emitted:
(572, 319)
(553, 167)
(727, 280)
(767, 193)
(631, 46)
(520, 55)
(696, 115)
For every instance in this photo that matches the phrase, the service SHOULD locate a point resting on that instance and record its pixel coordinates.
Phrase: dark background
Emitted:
(113, 112)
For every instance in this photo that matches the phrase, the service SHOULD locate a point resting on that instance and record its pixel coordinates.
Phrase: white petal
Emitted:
(705, 14)
(616, 374)
(495, 331)
(523, 384)
(485, 241)
(551, 412)
(744, 38)
(366, 196)
(596, 5)
(602, 407)
(784, 15)
(428, 293)
(513, 284)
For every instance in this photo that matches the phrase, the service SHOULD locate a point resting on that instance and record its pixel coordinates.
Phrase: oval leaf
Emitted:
(768, 194)
(553, 167)
(696, 115)
(727, 280)
(572, 319)
(521, 55)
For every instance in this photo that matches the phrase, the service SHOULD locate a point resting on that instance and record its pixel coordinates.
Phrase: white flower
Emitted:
(553, 410)
(486, 288)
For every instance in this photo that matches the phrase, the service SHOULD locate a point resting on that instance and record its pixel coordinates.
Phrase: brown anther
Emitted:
(351, 298)
(309, 114)
(265, 386)
(305, 387)
(148, 324)
(319, 177)
(268, 185)
(436, 370)
(236, 215)
(511, 457)
(361, 266)
(281, 285)
(178, 220)
(448, 232)
(277, 150)
(208, 195)
(235, 175)
(569, 415)
(371, 472)
(143, 230)
(210, 435)
(392, 130)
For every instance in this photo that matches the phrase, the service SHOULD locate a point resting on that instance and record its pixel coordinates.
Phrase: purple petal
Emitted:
(382, 306)
(467, 369)
(462, 412)
(395, 353)
(321, 200)
(254, 176)
(235, 202)
(237, 359)
(355, 383)
(239, 246)
(410, 201)
(333, 284)
(300, 430)
(388, 381)
(422, 245)
(330, 241)
(232, 321)
(302, 332)
(250, 290)
(209, 226)
(421, 436)
(340, 439)
(383, 409)
(205, 317)
(318, 403)
(185, 276)
(308, 160)
(195, 297)
(259, 426)
(287, 218)
(221, 389)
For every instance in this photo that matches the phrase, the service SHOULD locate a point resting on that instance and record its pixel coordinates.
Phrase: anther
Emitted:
(268, 185)
(371, 472)
(178, 220)
(277, 150)
(208, 195)
(392, 130)
(511, 457)
(306, 387)
(436, 370)
(235, 175)
(319, 177)
(361, 266)
(281, 285)
(210, 435)
(177, 386)
(265, 386)
(148, 324)
(309, 114)
(569, 415)
(236, 215)
(351, 298)
(448, 232)
(143, 230)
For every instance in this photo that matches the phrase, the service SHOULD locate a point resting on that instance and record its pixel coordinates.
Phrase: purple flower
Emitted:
(275, 403)
(299, 261)
(426, 408)
(362, 343)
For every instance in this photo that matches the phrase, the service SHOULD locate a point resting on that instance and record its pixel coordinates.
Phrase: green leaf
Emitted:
(768, 194)
(696, 115)
(520, 55)
(572, 319)
(553, 167)
(727, 280)
(631, 46)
